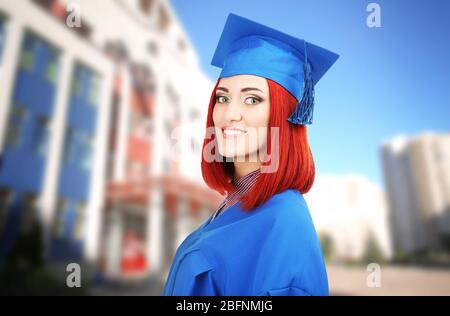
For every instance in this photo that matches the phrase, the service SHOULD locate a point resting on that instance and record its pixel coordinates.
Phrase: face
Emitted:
(241, 116)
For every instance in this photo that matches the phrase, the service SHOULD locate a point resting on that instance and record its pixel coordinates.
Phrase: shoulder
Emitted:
(293, 236)
(290, 198)
(293, 248)
(289, 210)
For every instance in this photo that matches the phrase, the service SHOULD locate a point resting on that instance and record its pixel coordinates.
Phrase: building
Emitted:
(54, 104)
(417, 176)
(115, 114)
(349, 214)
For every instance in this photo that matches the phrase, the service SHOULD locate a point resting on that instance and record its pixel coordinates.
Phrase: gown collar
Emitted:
(241, 187)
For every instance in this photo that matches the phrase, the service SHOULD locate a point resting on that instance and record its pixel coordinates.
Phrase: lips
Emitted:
(232, 132)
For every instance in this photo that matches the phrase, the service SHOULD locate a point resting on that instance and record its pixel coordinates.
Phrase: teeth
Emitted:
(232, 132)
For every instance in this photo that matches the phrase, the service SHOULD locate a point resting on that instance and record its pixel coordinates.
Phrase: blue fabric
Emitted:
(272, 250)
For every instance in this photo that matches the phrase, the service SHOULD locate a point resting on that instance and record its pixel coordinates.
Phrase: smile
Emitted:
(232, 132)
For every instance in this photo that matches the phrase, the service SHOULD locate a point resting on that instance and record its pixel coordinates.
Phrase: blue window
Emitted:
(69, 146)
(94, 92)
(76, 82)
(79, 224)
(86, 85)
(52, 66)
(59, 218)
(36, 50)
(29, 212)
(79, 82)
(78, 148)
(41, 136)
(29, 52)
(6, 197)
(17, 120)
(86, 151)
(2, 35)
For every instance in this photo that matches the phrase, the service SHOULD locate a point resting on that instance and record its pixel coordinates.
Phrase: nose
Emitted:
(233, 112)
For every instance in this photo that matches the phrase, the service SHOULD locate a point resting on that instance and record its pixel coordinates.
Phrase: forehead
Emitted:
(244, 81)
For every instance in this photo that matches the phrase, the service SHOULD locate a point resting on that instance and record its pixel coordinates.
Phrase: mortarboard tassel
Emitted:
(303, 113)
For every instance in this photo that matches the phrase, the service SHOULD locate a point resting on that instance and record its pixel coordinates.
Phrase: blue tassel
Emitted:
(303, 113)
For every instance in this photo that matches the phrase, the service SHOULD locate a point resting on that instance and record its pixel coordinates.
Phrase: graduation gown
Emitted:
(272, 250)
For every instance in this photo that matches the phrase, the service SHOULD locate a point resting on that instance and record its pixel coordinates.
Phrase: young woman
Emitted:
(261, 240)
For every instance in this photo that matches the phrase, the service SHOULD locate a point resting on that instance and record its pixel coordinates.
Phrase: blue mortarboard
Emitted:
(247, 47)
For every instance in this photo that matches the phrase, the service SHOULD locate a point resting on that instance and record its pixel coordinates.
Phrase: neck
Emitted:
(243, 168)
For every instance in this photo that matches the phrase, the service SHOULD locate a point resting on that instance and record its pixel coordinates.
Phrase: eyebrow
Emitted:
(242, 90)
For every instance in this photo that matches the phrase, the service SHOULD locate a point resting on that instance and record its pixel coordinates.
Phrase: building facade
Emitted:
(54, 107)
(101, 128)
(417, 176)
(350, 216)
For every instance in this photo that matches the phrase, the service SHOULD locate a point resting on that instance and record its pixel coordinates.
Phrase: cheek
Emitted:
(217, 114)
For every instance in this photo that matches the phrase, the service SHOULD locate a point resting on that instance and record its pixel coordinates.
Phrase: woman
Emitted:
(261, 240)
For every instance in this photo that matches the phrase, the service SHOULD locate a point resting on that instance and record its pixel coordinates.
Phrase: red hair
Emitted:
(296, 168)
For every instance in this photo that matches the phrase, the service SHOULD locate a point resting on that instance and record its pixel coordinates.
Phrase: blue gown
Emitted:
(272, 250)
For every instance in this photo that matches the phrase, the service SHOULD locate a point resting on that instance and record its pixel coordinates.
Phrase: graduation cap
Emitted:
(247, 47)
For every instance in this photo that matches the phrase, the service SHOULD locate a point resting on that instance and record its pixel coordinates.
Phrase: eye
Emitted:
(221, 99)
(252, 100)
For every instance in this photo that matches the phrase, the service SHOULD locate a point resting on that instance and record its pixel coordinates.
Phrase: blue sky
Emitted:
(388, 81)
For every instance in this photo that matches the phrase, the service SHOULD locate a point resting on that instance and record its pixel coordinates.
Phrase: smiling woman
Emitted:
(264, 241)
(241, 117)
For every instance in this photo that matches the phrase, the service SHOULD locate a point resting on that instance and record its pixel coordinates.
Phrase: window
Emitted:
(152, 48)
(2, 35)
(41, 135)
(29, 213)
(146, 6)
(69, 146)
(27, 57)
(6, 197)
(51, 69)
(136, 170)
(94, 92)
(140, 125)
(76, 82)
(78, 148)
(34, 49)
(78, 228)
(46, 4)
(181, 45)
(58, 222)
(174, 99)
(86, 85)
(163, 19)
(16, 124)
(86, 151)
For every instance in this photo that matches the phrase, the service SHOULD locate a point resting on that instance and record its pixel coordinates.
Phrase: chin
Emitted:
(236, 154)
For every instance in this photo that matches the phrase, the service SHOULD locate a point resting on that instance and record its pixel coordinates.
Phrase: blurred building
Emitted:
(54, 105)
(350, 217)
(417, 177)
(102, 127)
(155, 194)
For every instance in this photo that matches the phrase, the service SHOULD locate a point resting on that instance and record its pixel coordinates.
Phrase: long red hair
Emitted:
(296, 168)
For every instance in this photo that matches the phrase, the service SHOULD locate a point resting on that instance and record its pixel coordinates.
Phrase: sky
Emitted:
(389, 80)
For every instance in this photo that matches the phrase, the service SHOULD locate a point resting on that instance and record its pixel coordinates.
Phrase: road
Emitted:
(343, 280)
(393, 281)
